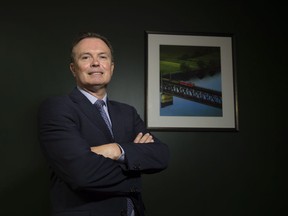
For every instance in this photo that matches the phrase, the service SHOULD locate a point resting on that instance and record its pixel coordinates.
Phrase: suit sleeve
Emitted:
(143, 158)
(68, 152)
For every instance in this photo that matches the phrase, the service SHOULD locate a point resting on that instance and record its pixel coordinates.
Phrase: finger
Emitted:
(149, 139)
(143, 138)
(138, 138)
(146, 138)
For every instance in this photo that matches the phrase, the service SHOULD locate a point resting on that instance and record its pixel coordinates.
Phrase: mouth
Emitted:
(96, 73)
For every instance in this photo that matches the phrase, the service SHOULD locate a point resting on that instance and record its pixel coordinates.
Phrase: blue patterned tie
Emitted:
(99, 104)
(130, 207)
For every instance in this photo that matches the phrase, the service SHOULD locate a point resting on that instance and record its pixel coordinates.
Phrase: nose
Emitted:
(95, 62)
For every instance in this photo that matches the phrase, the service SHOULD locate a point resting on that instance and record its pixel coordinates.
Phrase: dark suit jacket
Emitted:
(82, 182)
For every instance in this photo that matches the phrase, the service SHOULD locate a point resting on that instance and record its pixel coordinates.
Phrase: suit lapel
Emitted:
(90, 111)
(117, 120)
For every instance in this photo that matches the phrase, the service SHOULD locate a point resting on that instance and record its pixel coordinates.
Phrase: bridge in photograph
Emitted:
(189, 91)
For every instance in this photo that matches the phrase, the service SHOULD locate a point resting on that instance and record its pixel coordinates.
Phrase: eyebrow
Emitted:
(89, 53)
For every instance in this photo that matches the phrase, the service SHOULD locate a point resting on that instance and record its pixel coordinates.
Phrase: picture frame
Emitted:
(190, 82)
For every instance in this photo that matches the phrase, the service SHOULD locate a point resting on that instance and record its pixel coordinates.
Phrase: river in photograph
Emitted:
(184, 107)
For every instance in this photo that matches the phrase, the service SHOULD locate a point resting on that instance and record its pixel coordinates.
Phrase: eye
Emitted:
(84, 57)
(103, 56)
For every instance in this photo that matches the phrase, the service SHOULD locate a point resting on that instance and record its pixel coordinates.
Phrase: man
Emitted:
(96, 170)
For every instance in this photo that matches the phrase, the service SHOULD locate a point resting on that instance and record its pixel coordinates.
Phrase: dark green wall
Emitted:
(211, 173)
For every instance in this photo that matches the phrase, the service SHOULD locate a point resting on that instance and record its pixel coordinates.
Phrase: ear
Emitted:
(72, 68)
(112, 68)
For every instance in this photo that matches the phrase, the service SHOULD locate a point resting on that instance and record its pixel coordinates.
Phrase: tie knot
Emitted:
(99, 103)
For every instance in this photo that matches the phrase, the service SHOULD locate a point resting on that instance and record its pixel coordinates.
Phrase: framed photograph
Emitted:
(190, 82)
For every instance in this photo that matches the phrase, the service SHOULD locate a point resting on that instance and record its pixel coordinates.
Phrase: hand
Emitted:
(110, 150)
(146, 138)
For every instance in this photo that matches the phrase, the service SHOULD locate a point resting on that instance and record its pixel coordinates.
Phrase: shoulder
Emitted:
(62, 100)
(54, 101)
(56, 107)
(122, 110)
(120, 105)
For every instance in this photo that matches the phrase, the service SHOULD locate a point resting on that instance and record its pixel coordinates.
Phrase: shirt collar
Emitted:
(91, 97)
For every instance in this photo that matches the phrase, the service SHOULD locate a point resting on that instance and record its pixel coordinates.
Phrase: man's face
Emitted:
(93, 65)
